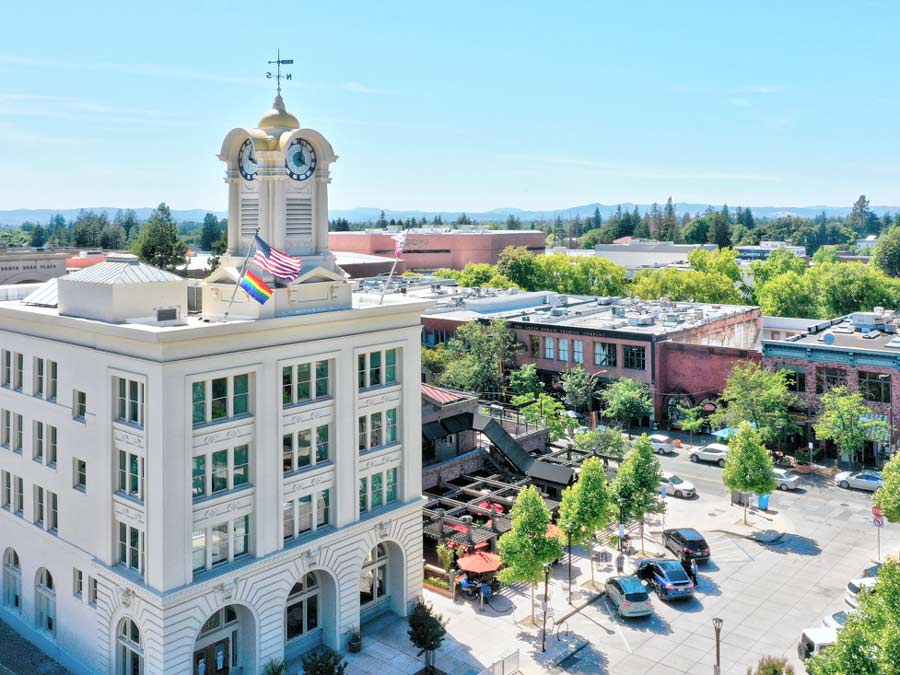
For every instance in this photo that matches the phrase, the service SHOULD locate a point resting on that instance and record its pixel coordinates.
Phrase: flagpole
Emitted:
(402, 243)
(241, 274)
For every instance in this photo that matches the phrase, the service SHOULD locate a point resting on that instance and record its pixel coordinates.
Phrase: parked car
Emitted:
(855, 587)
(839, 619)
(687, 544)
(786, 480)
(814, 640)
(861, 480)
(678, 486)
(666, 577)
(714, 452)
(872, 570)
(629, 596)
(662, 444)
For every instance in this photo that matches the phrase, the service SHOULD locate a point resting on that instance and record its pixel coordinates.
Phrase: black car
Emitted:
(687, 544)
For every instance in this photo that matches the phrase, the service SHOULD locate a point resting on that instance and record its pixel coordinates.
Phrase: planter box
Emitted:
(440, 591)
(804, 468)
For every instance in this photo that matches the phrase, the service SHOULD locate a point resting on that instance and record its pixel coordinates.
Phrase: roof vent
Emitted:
(129, 258)
(167, 314)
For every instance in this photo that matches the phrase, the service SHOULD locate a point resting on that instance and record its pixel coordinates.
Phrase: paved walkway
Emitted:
(20, 657)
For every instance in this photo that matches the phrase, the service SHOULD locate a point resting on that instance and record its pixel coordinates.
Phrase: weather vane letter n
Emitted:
(278, 63)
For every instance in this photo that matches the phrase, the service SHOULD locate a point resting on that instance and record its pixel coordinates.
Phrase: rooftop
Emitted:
(462, 229)
(873, 331)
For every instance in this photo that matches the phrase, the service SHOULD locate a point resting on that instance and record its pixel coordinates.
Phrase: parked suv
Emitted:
(662, 444)
(786, 480)
(687, 544)
(677, 486)
(628, 596)
(666, 577)
(714, 452)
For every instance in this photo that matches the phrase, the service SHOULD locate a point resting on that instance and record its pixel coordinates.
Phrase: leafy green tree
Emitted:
(578, 388)
(604, 441)
(128, 221)
(696, 231)
(842, 288)
(499, 281)
(476, 274)
(862, 219)
(446, 555)
(869, 644)
(825, 254)
(524, 381)
(723, 261)
(886, 255)
(481, 356)
(323, 661)
(585, 505)
(780, 261)
(545, 411)
(788, 294)
(210, 232)
(756, 395)
(158, 243)
(888, 495)
(636, 484)
(426, 631)
(685, 285)
(772, 665)
(627, 400)
(692, 420)
(748, 465)
(526, 547)
(38, 236)
(721, 229)
(517, 264)
(848, 421)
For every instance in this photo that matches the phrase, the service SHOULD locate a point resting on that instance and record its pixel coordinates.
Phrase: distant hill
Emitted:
(371, 214)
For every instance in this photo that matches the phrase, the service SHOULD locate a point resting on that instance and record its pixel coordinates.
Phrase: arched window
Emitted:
(44, 601)
(302, 612)
(373, 579)
(129, 655)
(12, 580)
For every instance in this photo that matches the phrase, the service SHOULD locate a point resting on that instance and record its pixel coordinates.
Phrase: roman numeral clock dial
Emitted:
(300, 160)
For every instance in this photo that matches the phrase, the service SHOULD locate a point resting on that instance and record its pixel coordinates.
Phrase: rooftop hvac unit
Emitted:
(604, 301)
(618, 311)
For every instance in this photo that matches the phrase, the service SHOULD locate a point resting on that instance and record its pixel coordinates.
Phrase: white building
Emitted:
(186, 494)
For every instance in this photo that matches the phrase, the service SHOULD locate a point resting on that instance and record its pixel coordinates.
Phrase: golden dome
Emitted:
(278, 117)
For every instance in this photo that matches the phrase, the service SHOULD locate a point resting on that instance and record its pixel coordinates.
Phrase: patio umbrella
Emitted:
(490, 506)
(480, 562)
(728, 432)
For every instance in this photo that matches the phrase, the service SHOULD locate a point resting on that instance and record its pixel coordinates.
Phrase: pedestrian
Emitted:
(694, 571)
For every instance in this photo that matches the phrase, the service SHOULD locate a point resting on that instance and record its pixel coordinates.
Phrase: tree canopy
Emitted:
(847, 420)
(748, 465)
(524, 380)
(578, 388)
(158, 244)
(627, 400)
(757, 395)
(585, 505)
(481, 355)
(636, 484)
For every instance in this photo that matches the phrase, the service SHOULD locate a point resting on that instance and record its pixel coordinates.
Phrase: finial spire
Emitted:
(278, 63)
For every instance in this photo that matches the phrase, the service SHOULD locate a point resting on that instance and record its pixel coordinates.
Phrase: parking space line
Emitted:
(612, 617)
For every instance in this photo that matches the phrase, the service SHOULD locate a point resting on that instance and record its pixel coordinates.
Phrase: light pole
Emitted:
(546, 602)
(621, 503)
(717, 625)
(569, 535)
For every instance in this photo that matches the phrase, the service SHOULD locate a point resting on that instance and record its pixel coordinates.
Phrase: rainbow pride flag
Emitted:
(256, 288)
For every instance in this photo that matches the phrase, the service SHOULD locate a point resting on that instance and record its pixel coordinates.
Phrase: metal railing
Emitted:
(508, 665)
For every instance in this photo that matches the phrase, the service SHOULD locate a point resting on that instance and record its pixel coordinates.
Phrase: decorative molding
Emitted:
(126, 596)
(226, 590)
(303, 418)
(320, 480)
(128, 513)
(387, 459)
(379, 400)
(232, 506)
(310, 557)
(244, 431)
(123, 437)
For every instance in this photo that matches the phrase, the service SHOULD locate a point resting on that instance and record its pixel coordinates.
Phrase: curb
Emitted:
(765, 537)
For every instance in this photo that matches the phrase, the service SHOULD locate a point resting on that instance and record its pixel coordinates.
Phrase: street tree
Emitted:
(869, 643)
(524, 381)
(546, 411)
(426, 631)
(636, 484)
(603, 441)
(888, 495)
(585, 505)
(526, 546)
(692, 421)
(435, 361)
(772, 665)
(481, 356)
(848, 421)
(757, 395)
(789, 294)
(517, 264)
(578, 387)
(748, 465)
(158, 244)
(38, 236)
(321, 661)
(627, 400)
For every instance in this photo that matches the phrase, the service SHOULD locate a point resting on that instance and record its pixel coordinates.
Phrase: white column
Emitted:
(267, 474)
(346, 455)
(411, 471)
(234, 213)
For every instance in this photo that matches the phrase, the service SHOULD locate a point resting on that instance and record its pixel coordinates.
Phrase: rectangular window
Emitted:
(198, 399)
(635, 357)
(38, 518)
(322, 443)
(19, 373)
(219, 407)
(77, 582)
(304, 511)
(391, 434)
(51, 384)
(92, 591)
(130, 401)
(287, 385)
(563, 349)
(79, 470)
(38, 453)
(79, 405)
(287, 520)
(7, 368)
(131, 474)
(322, 379)
(221, 398)
(53, 523)
(18, 496)
(323, 510)
(535, 343)
(375, 369)
(377, 494)
(198, 550)
(39, 377)
(241, 463)
(6, 432)
(390, 366)
(796, 377)
(361, 371)
(18, 433)
(122, 399)
(241, 536)
(829, 378)
(875, 387)
(241, 400)
(375, 428)
(390, 494)
(363, 495)
(6, 481)
(218, 535)
(578, 351)
(304, 448)
(198, 477)
(303, 379)
(605, 354)
(363, 434)
(549, 344)
(51, 449)
(219, 471)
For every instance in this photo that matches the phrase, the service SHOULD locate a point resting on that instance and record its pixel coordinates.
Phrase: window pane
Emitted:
(134, 474)
(121, 399)
(304, 519)
(391, 486)
(123, 471)
(220, 471)
(361, 371)
(240, 404)
(287, 385)
(287, 519)
(304, 448)
(312, 612)
(241, 536)
(391, 425)
(323, 508)
(321, 379)
(376, 490)
(219, 543)
(363, 436)
(363, 495)
(198, 550)
(303, 382)
(219, 398)
(241, 473)
(287, 453)
(375, 434)
(322, 443)
(374, 369)
(199, 401)
(294, 620)
(390, 366)
(133, 402)
(199, 476)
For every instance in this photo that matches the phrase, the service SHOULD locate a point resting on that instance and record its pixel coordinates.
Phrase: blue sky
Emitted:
(462, 105)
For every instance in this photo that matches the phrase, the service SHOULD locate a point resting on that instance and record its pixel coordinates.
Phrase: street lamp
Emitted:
(621, 503)
(569, 534)
(717, 625)
(546, 602)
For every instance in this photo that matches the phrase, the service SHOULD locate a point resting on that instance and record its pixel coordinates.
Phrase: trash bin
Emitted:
(763, 501)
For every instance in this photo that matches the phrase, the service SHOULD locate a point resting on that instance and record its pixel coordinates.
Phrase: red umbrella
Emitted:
(480, 562)
(490, 506)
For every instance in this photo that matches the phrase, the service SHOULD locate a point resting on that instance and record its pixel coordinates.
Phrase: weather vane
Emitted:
(279, 62)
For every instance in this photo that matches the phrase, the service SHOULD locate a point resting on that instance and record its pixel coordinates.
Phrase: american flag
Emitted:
(274, 261)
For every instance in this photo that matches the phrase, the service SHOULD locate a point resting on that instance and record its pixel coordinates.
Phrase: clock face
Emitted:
(247, 160)
(300, 160)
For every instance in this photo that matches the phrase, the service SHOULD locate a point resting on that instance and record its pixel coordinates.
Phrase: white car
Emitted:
(677, 486)
(786, 480)
(814, 640)
(862, 480)
(839, 619)
(662, 444)
(714, 452)
(854, 587)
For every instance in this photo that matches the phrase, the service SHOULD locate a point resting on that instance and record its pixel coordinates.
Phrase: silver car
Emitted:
(714, 452)
(677, 486)
(786, 480)
(861, 480)
(662, 444)
(855, 587)
(629, 596)
(839, 619)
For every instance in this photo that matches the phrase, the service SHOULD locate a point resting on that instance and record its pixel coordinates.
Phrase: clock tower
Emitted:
(278, 175)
